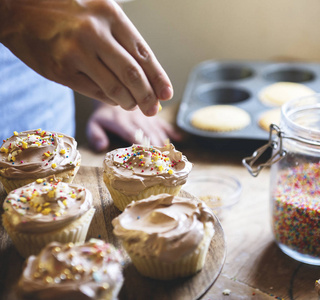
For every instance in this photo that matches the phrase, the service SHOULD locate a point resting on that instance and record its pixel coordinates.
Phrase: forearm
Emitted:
(5, 17)
(15, 16)
(90, 46)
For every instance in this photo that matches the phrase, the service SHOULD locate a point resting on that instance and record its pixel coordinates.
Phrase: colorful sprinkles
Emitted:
(296, 209)
(92, 261)
(146, 159)
(45, 197)
(39, 139)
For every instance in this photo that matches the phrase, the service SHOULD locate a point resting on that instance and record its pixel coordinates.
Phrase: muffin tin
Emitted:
(238, 83)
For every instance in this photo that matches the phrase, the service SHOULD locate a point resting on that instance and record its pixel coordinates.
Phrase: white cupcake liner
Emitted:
(12, 184)
(31, 243)
(121, 200)
(186, 266)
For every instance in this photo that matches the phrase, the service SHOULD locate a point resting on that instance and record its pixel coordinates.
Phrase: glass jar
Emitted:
(295, 179)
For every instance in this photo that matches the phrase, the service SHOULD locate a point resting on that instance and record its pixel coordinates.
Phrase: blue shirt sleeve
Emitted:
(30, 101)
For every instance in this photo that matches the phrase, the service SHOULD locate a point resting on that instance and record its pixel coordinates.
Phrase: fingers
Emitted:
(170, 131)
(130, 74)
(153, 130)
(159, 131)
(129, 37)
(93, 48)
(124, 124)
(120, 126)
(97, 137)
(109, 86)
(121, 64)
(129, 58)
(83, 84)
(80, 71)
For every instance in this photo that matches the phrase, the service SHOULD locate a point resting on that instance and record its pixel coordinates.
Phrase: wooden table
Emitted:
(135, 286)
(255, 268)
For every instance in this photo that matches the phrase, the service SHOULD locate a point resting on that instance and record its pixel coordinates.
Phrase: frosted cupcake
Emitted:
(138, 172)
(33, 154)
(72, 272)
(44, 211)
(166, 236)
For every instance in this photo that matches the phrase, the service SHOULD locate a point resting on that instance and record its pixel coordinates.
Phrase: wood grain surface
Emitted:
(255, 268)
(136, 287)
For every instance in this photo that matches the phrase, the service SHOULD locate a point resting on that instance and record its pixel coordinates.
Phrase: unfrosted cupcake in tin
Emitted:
(278, 93)
(220, 118)
(137, 172)
(166, 236)
(90, 271)
(33, 154)
(47, 210)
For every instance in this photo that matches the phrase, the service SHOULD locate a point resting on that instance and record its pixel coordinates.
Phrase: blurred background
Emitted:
(183, 33)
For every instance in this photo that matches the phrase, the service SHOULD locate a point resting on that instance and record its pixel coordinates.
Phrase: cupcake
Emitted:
(137, 172)
(47, 210)
(92, 270)
(220, 118)
(166, 236)
(278, 93)
(33, 154)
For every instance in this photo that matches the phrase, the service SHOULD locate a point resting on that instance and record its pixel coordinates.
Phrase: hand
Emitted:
(90, 46)
(125, 123)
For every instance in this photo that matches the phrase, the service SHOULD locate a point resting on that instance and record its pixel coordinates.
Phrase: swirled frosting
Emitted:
(163, 226)
(37, 153)
(45, 205)
(131, 170)
(72, 272)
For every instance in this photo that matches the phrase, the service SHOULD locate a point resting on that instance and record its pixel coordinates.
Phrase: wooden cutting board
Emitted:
(136, 287)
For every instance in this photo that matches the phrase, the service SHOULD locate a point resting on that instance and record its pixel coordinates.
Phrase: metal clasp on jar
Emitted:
(274, 144)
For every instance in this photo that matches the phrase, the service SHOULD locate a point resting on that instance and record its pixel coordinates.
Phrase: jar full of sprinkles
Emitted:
(295, 178)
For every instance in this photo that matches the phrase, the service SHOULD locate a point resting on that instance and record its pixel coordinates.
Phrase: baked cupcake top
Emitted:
(71, 271)
(278, 93)
(163, 226)
(45, 205)
(37, 153)
(131, 170)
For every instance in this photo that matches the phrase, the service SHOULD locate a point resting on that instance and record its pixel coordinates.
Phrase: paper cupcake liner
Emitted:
(31, 243)
(12, 184)
(121, 200)
(186, 266)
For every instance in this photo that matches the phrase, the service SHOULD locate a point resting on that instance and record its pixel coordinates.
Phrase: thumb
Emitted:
(97, 137)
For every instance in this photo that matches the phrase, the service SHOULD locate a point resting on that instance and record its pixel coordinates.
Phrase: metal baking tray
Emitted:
(238, 83)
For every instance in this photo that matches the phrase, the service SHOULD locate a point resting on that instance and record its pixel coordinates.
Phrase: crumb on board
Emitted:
(226, 292)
